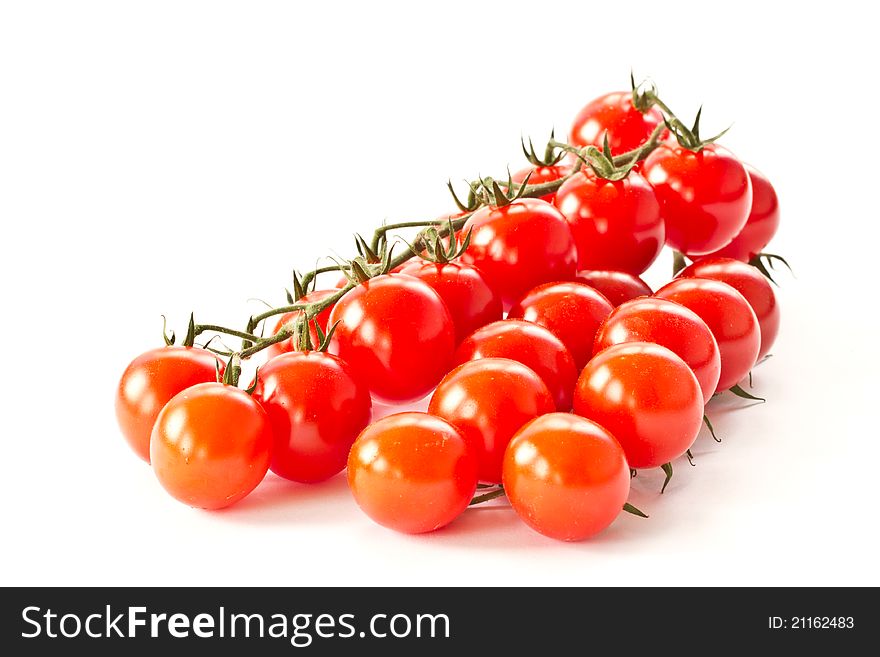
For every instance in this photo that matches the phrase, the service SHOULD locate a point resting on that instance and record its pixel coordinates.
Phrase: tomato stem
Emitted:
(485, 497)
(310, 276)
(201, 328)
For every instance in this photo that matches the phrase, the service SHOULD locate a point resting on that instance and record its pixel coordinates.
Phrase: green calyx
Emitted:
(369, 264)
(489, 192)
(300, 288)
(689, 138)
(442, 249)
(551, 157)
(643, 94)
(602, 162)
(764, 262)
(303, 335)
(472, 202)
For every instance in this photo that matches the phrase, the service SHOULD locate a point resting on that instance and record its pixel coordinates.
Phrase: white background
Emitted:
(164, 157)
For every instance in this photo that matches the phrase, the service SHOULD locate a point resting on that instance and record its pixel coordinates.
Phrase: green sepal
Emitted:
(233, 371)
(667, 468)
(190, 338)
(326, 338)
(740, 392)
(550, 158)
(169, 338)
(629, 508)
(709, 426)
(253, 386)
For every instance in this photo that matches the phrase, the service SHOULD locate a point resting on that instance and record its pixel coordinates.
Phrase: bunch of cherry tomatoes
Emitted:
(554, 371)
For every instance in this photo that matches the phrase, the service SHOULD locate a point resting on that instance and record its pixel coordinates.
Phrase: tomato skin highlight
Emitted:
(615, 115)
(566, 476)
(316, 408)
(616, 224)
(646, 396)
(750, 283)
(519, 246)
(571, 311)
(150, 381)
(396, 334)
(616, 286)
(542, 174)
(530, 344)
(671, 325)
(211, 445)
(488, 400)
(412, 472)
(761, 225)
(290, 345)
(471, 301)
(705, 197)
(730, 318)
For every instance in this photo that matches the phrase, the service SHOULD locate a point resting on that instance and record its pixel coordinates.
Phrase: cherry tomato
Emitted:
(316, 408)
(646, 396)
(396, 334)
(730, 318)
(150, 381)
(322, 318)
(488, 400)
(520, 245)
(469, 298)
(412, 472)
(615, 224)
(705, 197)
(750, 283)
(669, 324)
(571, 311)
(615, 115)
(542, 174)
(530, 344)
(565, 476)
(616, 286)
(761, 225)
(211, 445)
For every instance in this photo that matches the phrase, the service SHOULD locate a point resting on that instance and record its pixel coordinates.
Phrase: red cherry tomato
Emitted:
(322, 318)
(211, 445)
(469, 298)
(761, 225)
(412, 472)
(488, 400)
(615, 115)
(571, 311)
(730, 318)
(530, 344)
(615, 224)
(705, 197)
(750, 283)
(646, 396)
(150, 381)
(316, 408)
(565, 476)
(671, 325)
(520, 245)
(616, 286)
(542, 174)
(396, 334)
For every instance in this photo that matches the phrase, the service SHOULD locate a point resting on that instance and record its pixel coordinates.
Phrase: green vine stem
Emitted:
(253, 344)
